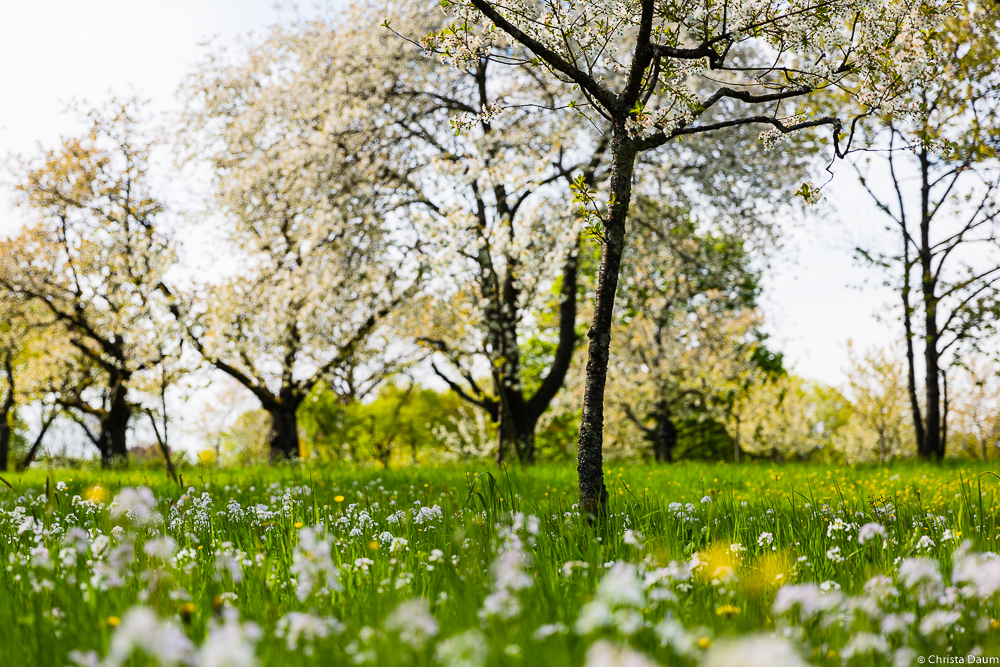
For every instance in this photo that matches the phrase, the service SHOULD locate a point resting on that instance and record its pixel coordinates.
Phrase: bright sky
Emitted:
(55, 51)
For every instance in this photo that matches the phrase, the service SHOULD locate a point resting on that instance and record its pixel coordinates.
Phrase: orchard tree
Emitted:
(937, 181)
(635, 62)
(15, 337)
(780, 419)
(974, 408)
(690, 277)
(494, 202)
(55, 374)
(685, 300)
(93, 262)
(877, 390)
(321, 265)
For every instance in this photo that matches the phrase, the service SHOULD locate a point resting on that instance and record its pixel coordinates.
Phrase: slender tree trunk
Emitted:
(283, 438)
(161, 441)
(590, 456)
(736, 441)
(4, 438)
(37, 444)
(944, 417)
(4, 442)
(911, 378)
(932, 431)
(6, 408)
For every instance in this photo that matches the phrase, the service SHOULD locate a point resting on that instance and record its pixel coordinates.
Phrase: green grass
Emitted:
(48, 609)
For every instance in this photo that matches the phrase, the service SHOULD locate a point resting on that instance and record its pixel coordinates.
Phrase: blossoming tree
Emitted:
(936, 179)
(686, 307)
(635, 62)
(320, 265)
(92, 266)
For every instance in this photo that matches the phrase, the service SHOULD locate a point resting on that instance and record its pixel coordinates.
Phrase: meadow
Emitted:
(695, 564)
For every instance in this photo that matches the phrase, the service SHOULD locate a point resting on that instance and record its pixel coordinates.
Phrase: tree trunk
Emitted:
(736, 441)
(932, 431)
(524, 438)
(590, 456)
(911, 377)
(37, 444)
(116, 424)
(161, 441)
(944, 418)
(516, 429)
(5, 409)
(664, 436)
(4, 442)
(283, 438)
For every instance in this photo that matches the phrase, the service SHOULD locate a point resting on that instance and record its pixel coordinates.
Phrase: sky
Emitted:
(58, 51)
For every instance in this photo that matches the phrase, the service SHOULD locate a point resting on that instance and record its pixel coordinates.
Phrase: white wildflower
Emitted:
(297, 626)
(312, 565)
(142, 630)
(980, 571)
(672, 633)
(921, 575)
(549, 629)
(619, 595)
(633, 538)
(161, 548)
(469, 649)
(938, 620)
(231, 643)
(894, 623)
(754, 651)
(606, 654)
(413, 621)
(138, 505)
(808, 598)
(864, 643)
(870, 531)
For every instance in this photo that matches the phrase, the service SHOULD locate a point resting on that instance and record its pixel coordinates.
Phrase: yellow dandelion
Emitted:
(373, 545)
(338, 499)
(187, 611)
(727, 610)
(96, 494)
(298, 524)
(114, 621)
(704, 643)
